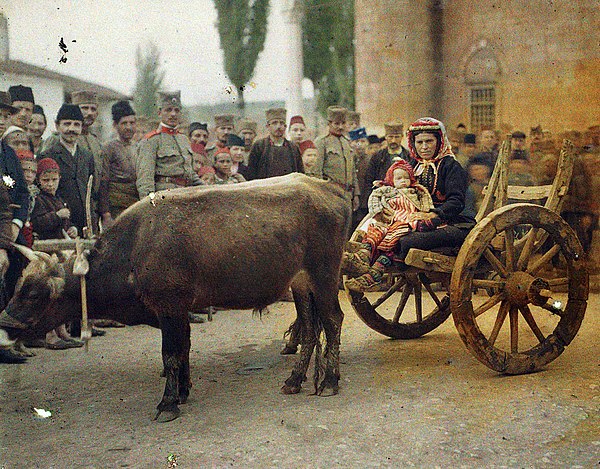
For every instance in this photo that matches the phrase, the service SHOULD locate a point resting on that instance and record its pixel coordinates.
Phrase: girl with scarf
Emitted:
(446, 181)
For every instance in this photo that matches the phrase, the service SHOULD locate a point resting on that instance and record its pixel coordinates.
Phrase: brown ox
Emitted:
(236, 246)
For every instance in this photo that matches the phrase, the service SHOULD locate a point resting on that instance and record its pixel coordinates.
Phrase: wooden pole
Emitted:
(86, 333)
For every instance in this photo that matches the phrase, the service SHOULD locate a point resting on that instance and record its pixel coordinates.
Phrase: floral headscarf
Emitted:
(426, 170)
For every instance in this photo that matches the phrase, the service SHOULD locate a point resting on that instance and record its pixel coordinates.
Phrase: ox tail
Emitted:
(317, 330)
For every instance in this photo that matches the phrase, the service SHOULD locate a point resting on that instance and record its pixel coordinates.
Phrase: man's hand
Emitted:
(72, 232)
(107, 220)
(14, 229)
(3, 262)
(421, 216)
(64, 213)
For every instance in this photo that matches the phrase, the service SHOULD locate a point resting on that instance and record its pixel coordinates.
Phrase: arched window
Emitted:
(481, 74)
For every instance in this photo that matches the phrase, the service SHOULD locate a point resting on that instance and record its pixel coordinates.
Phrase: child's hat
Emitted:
(47, 164)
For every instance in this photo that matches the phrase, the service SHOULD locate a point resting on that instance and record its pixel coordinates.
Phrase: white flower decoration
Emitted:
(8, 181)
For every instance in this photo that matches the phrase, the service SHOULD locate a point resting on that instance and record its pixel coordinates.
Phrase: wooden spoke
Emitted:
(537, 265)
(481, 283)
(558, 282)
(502, 312)
(489, 303)
(432, 294)
(526, 312)
(496, 264)
(526, 252)
(418, 302)
(514, 329)
(395, 287)
(509, 248)
(405, 294)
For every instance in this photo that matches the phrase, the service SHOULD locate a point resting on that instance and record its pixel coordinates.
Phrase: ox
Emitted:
(236, 246)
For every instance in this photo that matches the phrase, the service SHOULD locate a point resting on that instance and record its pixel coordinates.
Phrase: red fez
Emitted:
(25, 155)
(297, 120)
(305, 145)
(47, 164)
(222, 150)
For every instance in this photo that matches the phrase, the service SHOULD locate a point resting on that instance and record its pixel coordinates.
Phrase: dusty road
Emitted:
(423, 403)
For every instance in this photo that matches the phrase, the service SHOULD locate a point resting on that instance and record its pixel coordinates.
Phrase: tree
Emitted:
(242, 26)
(328, 37)
(148, 80)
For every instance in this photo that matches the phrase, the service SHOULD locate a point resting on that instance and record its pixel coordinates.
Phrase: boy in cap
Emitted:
(164, 156)
(335, 159)
(223, 127)
(223, 174)
(517, 144)
(29, 166)
(36, 128)
(119, 157)
(297, 130)
(75, 162)
(308, 150)
(236, 149)
(274, 155)
(21, 98)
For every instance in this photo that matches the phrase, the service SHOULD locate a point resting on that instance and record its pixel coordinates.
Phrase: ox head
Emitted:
(34, 309)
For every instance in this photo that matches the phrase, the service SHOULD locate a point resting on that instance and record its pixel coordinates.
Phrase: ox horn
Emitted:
(28, 253)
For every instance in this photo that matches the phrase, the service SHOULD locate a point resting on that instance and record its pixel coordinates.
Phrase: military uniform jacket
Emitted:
(74, 174)
(335, 161)
(91, 142)
(163, 154)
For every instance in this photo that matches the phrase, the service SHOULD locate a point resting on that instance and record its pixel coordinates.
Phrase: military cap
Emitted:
(354, 116)
(197, 126)
(374, 138)
(69, 112)
(470, 138)
(518, 134)
(276, 113)
(247, 124)
(357, 134)
(121, 109)
(224, 120)
(5, 102)
(21, 93)
(394, 128)
(336, 114)
(234, 141)
(169, 98)
(84, 97)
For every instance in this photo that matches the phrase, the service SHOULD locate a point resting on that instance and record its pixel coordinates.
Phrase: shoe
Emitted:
(97, 332)
(36, 343)
(356, 263)
(371, 281)
(74, 343)
(58, 345)
(353, 246)
(8, 356)
(195, 318)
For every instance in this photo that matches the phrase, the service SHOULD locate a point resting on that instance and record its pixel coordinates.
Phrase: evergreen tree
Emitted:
(148, 80)
(328, 37)
(242, 26)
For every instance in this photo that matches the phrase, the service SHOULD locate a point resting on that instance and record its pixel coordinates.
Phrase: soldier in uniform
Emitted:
(383, 159)
(164, 159)
(223, 127)
(335, 159)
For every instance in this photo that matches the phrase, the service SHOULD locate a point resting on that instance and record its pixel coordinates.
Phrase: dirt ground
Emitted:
(423, 403)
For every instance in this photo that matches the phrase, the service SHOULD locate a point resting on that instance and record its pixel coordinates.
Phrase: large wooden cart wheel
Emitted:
(391, 313)
(544, 310)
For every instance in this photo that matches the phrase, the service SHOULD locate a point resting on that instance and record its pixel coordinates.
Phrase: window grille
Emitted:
(483, 108)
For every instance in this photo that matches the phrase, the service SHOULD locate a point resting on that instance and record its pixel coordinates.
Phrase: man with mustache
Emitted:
(119, 155)
(75, 162)
(384, 158)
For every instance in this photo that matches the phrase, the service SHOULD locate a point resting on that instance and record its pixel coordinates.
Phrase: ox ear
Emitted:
(57, 286)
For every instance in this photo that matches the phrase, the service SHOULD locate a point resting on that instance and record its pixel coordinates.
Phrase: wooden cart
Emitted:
(521, 261)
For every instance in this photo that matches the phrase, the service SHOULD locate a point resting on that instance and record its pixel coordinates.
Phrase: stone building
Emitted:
(516, 62)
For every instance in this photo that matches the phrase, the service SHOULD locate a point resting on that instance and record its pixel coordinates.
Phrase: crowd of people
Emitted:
(429, 187)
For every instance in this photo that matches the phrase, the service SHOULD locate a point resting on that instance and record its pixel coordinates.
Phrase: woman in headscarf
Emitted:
(444, 178)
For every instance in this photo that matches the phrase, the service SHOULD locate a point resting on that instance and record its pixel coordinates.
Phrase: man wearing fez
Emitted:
(335, 159)
(21, 98)
(119, 155)
(223, 127)
(274, 155)
(164, 158)
(384, 158)
(76, 163)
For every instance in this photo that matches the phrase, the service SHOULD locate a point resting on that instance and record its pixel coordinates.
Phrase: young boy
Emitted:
(236, 150)
(309, 154)
(50, 214)
(222, 167)
(391, 207)
(29, 165)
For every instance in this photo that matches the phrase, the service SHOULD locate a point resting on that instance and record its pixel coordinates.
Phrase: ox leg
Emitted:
(304, 308)
(332, 324)
(185, 382)
(175, 335)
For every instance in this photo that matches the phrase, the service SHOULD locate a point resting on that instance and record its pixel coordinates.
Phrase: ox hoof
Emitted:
(167, 415)
(287, 389)
(289, 350)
